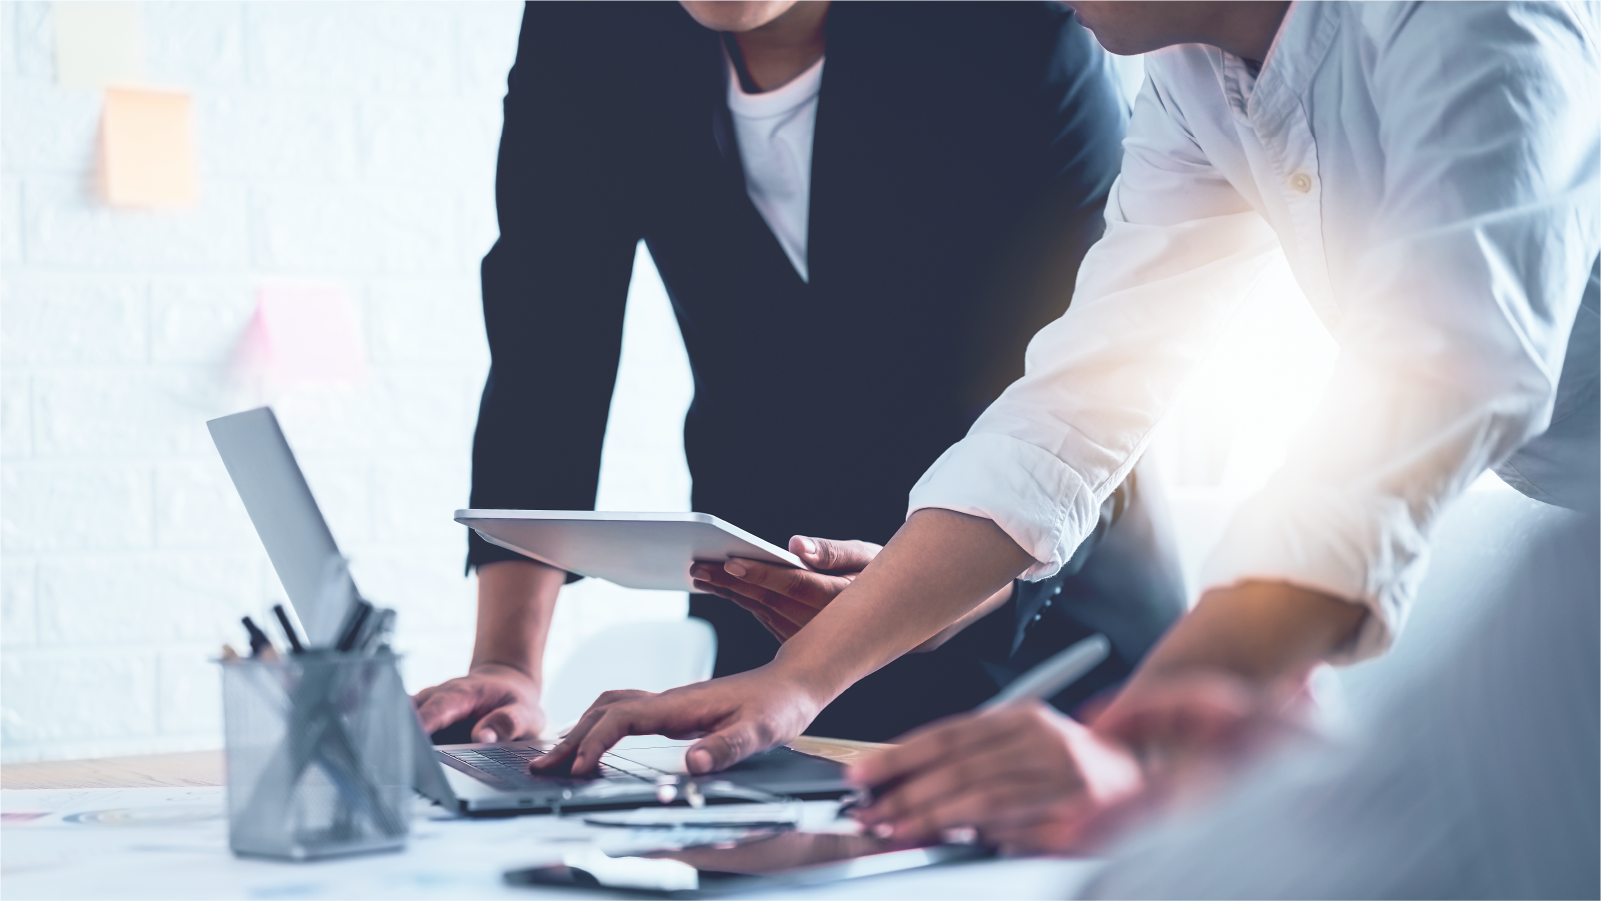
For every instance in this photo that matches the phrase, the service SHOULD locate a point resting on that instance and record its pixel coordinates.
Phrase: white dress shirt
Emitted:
(774, 131)
(1430, 171)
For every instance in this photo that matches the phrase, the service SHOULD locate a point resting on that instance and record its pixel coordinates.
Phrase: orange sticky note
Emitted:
(305, 333)
(147, 148)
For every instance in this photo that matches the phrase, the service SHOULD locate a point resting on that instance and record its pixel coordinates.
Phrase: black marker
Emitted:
(289, 629)
(358, 618)
(258, 639)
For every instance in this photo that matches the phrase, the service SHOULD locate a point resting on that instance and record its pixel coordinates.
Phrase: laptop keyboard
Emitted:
(510, 766)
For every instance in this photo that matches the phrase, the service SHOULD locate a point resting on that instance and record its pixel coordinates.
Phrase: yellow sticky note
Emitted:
(147, 148)
(97, 43)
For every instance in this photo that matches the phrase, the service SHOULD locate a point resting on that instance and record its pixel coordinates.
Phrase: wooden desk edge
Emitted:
(189, 769)
(198, 769)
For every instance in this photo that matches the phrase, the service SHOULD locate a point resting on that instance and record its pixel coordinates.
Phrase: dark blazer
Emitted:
(962, 156)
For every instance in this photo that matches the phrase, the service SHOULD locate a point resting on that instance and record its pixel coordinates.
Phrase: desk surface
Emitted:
(197, 769)
(155, 827)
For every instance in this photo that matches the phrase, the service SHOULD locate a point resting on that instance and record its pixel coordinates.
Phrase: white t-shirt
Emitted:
(774, 131)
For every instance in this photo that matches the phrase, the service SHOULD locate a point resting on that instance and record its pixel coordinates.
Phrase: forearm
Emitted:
(991, 604)
(1263, 632)
(516, 600)
(937, 569)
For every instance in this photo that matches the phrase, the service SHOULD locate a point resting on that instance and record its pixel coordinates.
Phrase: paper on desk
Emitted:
(98, 43)
(109, 806)
(303, 333)
(173, 843)
(52, 834)
(147, 148)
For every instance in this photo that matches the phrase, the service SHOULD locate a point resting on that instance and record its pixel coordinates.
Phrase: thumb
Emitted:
(723, 749)
(834, 556)
(440, 709)
(499, 725)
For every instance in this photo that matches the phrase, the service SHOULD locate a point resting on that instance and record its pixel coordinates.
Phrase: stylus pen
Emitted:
(1041, 682)
(289, 629)
(1055, 674)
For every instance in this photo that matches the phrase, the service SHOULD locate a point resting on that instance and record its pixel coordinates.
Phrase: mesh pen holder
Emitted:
(318, 758)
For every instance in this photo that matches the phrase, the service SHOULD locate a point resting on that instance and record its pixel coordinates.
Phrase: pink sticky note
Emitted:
(305, 333)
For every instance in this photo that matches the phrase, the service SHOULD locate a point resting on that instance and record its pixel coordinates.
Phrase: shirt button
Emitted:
(1301, 182)
(1055, 592)
(1036, 617)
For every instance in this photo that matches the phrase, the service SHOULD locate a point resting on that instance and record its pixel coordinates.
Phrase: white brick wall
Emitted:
(351, 143)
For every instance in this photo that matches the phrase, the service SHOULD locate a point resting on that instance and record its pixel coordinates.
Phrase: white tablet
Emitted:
(635, 550)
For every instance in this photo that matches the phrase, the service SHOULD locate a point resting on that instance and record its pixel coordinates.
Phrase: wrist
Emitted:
(813, 679)
(523, 670)
(1262, 633)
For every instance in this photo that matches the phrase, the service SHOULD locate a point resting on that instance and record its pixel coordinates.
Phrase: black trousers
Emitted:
(1130, 589)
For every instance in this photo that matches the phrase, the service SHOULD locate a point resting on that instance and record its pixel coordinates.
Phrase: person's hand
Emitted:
(1195, 711)
(1192, 729)
(735, 717)
(1231, 674)
(504, 699)
(784, 598)
(1026, 778)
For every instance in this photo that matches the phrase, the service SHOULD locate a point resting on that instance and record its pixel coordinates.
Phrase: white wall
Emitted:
(343, 143)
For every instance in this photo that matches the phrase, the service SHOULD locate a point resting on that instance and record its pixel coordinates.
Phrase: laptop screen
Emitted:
(286, 517)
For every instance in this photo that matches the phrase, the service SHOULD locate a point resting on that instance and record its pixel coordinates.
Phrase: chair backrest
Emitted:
(649, 656)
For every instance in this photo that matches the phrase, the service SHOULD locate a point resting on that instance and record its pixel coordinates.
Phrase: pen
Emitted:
(1055, 674)
(295, 646)
(1041, 682)
(357, 618)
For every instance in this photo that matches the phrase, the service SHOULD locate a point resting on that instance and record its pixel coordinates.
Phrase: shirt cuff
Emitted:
(1365, 550)
(1036, 499)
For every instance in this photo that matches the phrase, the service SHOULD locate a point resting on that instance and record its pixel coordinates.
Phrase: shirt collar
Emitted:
(780, 100)
(1303, 39)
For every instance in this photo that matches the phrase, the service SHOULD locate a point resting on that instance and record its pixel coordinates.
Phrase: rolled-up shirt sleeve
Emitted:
(1153, 296)
(1453, 336)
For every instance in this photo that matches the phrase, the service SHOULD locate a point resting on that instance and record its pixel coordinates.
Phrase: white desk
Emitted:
(154, 827)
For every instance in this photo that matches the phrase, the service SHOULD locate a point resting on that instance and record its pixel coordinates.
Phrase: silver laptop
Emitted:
(474, 778)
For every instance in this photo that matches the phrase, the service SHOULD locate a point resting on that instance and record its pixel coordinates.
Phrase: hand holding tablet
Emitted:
(784, 599)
